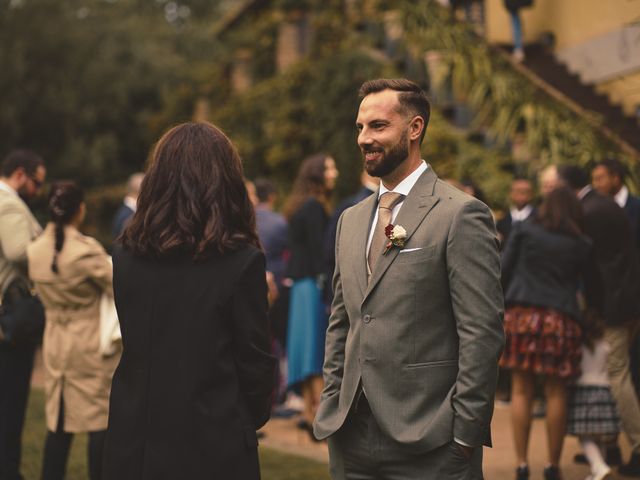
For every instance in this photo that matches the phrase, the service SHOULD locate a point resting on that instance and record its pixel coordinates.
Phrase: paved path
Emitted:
(499, 460)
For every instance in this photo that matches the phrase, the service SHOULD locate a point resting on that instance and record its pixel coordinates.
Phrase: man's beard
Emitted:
(389, 160)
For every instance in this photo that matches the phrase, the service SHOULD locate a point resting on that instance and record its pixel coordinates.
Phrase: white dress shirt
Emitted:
(404, 187)
(622, 196)
(522, 214)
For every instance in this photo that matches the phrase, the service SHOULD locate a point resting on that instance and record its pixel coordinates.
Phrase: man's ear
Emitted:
(416, 127)
(19, 175)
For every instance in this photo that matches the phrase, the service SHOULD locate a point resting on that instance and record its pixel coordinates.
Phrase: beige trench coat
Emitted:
(74, 367)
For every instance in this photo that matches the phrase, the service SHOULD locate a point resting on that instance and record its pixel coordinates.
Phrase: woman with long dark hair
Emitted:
(70, 272)
(542, 265)
(195, 378)
(307, 210)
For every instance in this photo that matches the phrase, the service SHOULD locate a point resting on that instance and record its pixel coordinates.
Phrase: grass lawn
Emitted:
(275, 465)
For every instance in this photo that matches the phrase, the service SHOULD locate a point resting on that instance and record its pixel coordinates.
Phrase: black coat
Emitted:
(543, 269)
(504, 225)
(195, 378)
(120, 220)
(306, 240)
(632, 209)
(613, 285)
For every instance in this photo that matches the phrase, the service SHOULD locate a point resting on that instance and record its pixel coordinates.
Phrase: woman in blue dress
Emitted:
(307, 210)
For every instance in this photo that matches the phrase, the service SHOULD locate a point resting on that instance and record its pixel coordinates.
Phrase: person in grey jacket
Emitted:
(22, 176)
(415, 331)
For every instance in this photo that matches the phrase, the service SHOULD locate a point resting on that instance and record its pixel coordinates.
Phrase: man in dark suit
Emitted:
(612, 290)
(521, 209)
(128, 207)
(608, 178)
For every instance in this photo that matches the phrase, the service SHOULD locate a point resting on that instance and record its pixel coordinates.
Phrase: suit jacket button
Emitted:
(366, 319)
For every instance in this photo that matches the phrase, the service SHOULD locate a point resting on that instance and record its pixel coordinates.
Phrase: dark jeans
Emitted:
(361, 451)
(56, 451)
(16, 365)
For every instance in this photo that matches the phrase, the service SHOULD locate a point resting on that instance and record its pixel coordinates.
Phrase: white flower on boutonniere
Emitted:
(397, 236)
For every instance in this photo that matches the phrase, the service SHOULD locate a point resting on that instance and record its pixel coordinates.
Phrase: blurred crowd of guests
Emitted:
(571, 278)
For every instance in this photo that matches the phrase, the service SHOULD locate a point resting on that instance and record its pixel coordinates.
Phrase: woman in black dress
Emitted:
(307, 210)
(195, 378)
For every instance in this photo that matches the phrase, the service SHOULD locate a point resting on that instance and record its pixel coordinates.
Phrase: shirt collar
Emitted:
(7, 188)
(585, 190)
(522, 214)
(622, 196)
(130, 202)
(405, 186)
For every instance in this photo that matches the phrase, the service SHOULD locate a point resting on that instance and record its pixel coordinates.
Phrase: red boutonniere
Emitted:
(397, 236)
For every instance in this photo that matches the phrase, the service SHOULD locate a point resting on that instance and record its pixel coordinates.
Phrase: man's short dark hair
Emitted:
(614, 167)
(264, 189)
(26, 159)
(574, 176)
(413, 100)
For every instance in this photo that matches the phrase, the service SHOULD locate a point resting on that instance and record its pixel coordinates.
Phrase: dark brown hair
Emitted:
(309, 183)
(614, 167)
(26, 159)
(193, 200)
(592, 328)
(561, 212)
(65, 199)
(413, 100)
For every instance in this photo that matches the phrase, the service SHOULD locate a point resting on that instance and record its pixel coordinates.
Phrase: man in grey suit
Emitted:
(415, 331)
(21, 178)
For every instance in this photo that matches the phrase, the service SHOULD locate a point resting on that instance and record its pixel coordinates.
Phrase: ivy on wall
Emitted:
(506, 102)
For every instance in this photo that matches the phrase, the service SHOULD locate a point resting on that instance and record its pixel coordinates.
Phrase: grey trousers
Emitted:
(361, 451)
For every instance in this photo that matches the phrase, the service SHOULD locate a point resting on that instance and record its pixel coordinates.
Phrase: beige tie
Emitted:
(379, 241)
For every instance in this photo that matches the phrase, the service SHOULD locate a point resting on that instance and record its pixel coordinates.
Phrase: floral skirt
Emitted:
(541, 341)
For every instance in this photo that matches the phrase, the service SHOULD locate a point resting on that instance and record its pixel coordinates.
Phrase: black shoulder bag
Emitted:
(21, 315)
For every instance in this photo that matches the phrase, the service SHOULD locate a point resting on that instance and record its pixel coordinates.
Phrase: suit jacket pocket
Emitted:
(436, 363)
(440, 375)
(417, 256)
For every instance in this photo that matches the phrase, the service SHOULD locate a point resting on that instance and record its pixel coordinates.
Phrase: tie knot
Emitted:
(388, 200)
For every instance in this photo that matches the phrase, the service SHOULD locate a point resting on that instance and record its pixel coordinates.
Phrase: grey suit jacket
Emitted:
(17, 228)
(424, 335)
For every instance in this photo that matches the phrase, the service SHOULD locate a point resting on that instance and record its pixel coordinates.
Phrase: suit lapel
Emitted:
(415, 208)
(364, 217)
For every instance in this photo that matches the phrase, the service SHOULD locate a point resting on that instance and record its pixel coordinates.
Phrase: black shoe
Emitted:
(522, 472)
(613, 456)
(580, 459)
(552, 472)
(631, 469)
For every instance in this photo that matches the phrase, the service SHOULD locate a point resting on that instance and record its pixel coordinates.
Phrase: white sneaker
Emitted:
(603, 474)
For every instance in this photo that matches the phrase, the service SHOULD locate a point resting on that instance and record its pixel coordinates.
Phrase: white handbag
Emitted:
(110, 335)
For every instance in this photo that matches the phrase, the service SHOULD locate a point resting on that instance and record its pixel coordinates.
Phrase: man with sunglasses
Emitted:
(21, 178)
